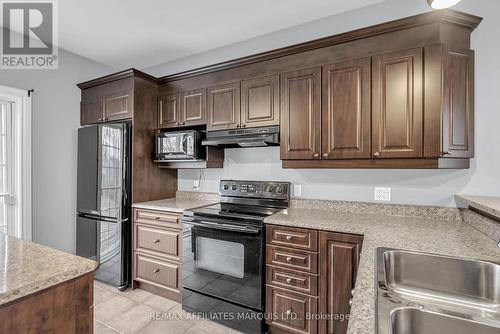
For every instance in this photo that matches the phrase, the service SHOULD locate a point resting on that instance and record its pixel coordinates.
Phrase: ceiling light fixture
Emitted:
(440, 4)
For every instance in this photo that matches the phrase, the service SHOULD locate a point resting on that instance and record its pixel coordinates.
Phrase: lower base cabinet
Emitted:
(157, 253)
(309, 285)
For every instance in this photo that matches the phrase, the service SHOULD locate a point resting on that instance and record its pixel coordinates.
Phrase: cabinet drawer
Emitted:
(292, 259)
(163, 274)
(156, 217)
(292, 280)
(165, 241)
(291, 311)
(292, 237)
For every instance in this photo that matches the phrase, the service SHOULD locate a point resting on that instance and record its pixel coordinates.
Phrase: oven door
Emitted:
(223, 260)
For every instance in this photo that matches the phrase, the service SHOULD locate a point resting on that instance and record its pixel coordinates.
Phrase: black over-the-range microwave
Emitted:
(179, 145)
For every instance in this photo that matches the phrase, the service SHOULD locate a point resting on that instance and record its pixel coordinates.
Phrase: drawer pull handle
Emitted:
(288, 259)
(352, 292)
(156, 271)
(157, 241)
(289, 237)
(350, 302)
(289, 280)
(157, 218)
(289, 312)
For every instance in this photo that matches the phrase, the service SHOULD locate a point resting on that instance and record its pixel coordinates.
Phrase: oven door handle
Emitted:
(225, 227)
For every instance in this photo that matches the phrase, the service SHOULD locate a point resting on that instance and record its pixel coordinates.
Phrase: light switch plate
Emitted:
(383, 194)
(297, 190)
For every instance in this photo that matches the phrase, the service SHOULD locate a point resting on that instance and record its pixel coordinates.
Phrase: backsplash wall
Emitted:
(423, 187)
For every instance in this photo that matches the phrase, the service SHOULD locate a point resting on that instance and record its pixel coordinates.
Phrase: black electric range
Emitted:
(223, 253)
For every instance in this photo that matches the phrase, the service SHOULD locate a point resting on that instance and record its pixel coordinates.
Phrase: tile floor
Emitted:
(130, 312)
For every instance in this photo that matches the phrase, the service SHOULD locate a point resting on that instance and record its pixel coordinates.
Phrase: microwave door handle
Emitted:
(184, 144)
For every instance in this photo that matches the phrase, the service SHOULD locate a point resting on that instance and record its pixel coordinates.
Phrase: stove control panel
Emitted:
(256, 189)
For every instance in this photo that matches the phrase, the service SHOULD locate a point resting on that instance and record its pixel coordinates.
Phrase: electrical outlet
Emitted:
(383, 194)
(196, 184)
(297, 190)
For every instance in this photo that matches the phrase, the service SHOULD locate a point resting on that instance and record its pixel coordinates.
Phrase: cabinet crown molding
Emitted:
(449, 16)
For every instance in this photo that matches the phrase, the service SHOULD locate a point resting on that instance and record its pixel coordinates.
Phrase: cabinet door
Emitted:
(224, 107)
(260, 101)
(118, 106)
(301, 114)
(339, 254)
(458, 106)
(193, 107)
(346, 110)
(91, 111)
(168, 111)
(397, 104)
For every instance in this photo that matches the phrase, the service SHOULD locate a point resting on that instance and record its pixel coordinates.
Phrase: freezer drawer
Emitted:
(104, 242)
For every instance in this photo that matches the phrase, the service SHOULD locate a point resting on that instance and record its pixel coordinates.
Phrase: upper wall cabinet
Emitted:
(395, 95)
(397, 112)
(109, 101)
(168, 111)
(193, 107)
(260, 101)
(300, 129)
(346, 110)
(449, 102)
(224, 107)
(182, 109)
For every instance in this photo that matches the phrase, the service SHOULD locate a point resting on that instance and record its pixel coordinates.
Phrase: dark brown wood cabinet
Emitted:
(449, 112)
(309, 272)
(66, 308)
(346, 110)
(110, 101)
(193, 107)
(118, 106)
(260, 101)
(182, 109)
(397, 104)
(395, 95)
(91, 111)
(300, 127)
(224, 107)
(168, 111)
(338, 257)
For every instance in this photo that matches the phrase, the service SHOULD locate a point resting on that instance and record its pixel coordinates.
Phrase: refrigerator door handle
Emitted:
(105, 219)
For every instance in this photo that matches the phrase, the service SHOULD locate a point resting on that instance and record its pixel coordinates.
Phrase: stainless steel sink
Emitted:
(410, 320)
(428, 293)
(443, 279)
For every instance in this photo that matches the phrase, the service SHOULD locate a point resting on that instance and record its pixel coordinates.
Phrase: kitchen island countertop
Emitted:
(27, 268)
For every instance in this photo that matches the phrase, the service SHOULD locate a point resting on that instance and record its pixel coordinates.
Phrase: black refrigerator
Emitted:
(103, 224)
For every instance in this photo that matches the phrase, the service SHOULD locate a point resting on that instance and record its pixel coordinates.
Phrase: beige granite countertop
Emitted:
(27, 268)
(173, 204)
(448, 237)
(490, 205)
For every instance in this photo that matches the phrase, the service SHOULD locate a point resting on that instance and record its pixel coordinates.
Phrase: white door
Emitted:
(7, 196)
(15, 163)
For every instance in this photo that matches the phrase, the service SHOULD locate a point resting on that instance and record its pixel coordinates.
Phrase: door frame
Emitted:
(21, 117)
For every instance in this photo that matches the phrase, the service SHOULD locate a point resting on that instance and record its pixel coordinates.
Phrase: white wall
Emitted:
(56, 118)
(432, 187)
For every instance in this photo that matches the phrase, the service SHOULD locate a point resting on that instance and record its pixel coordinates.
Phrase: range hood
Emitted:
(244, 137)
